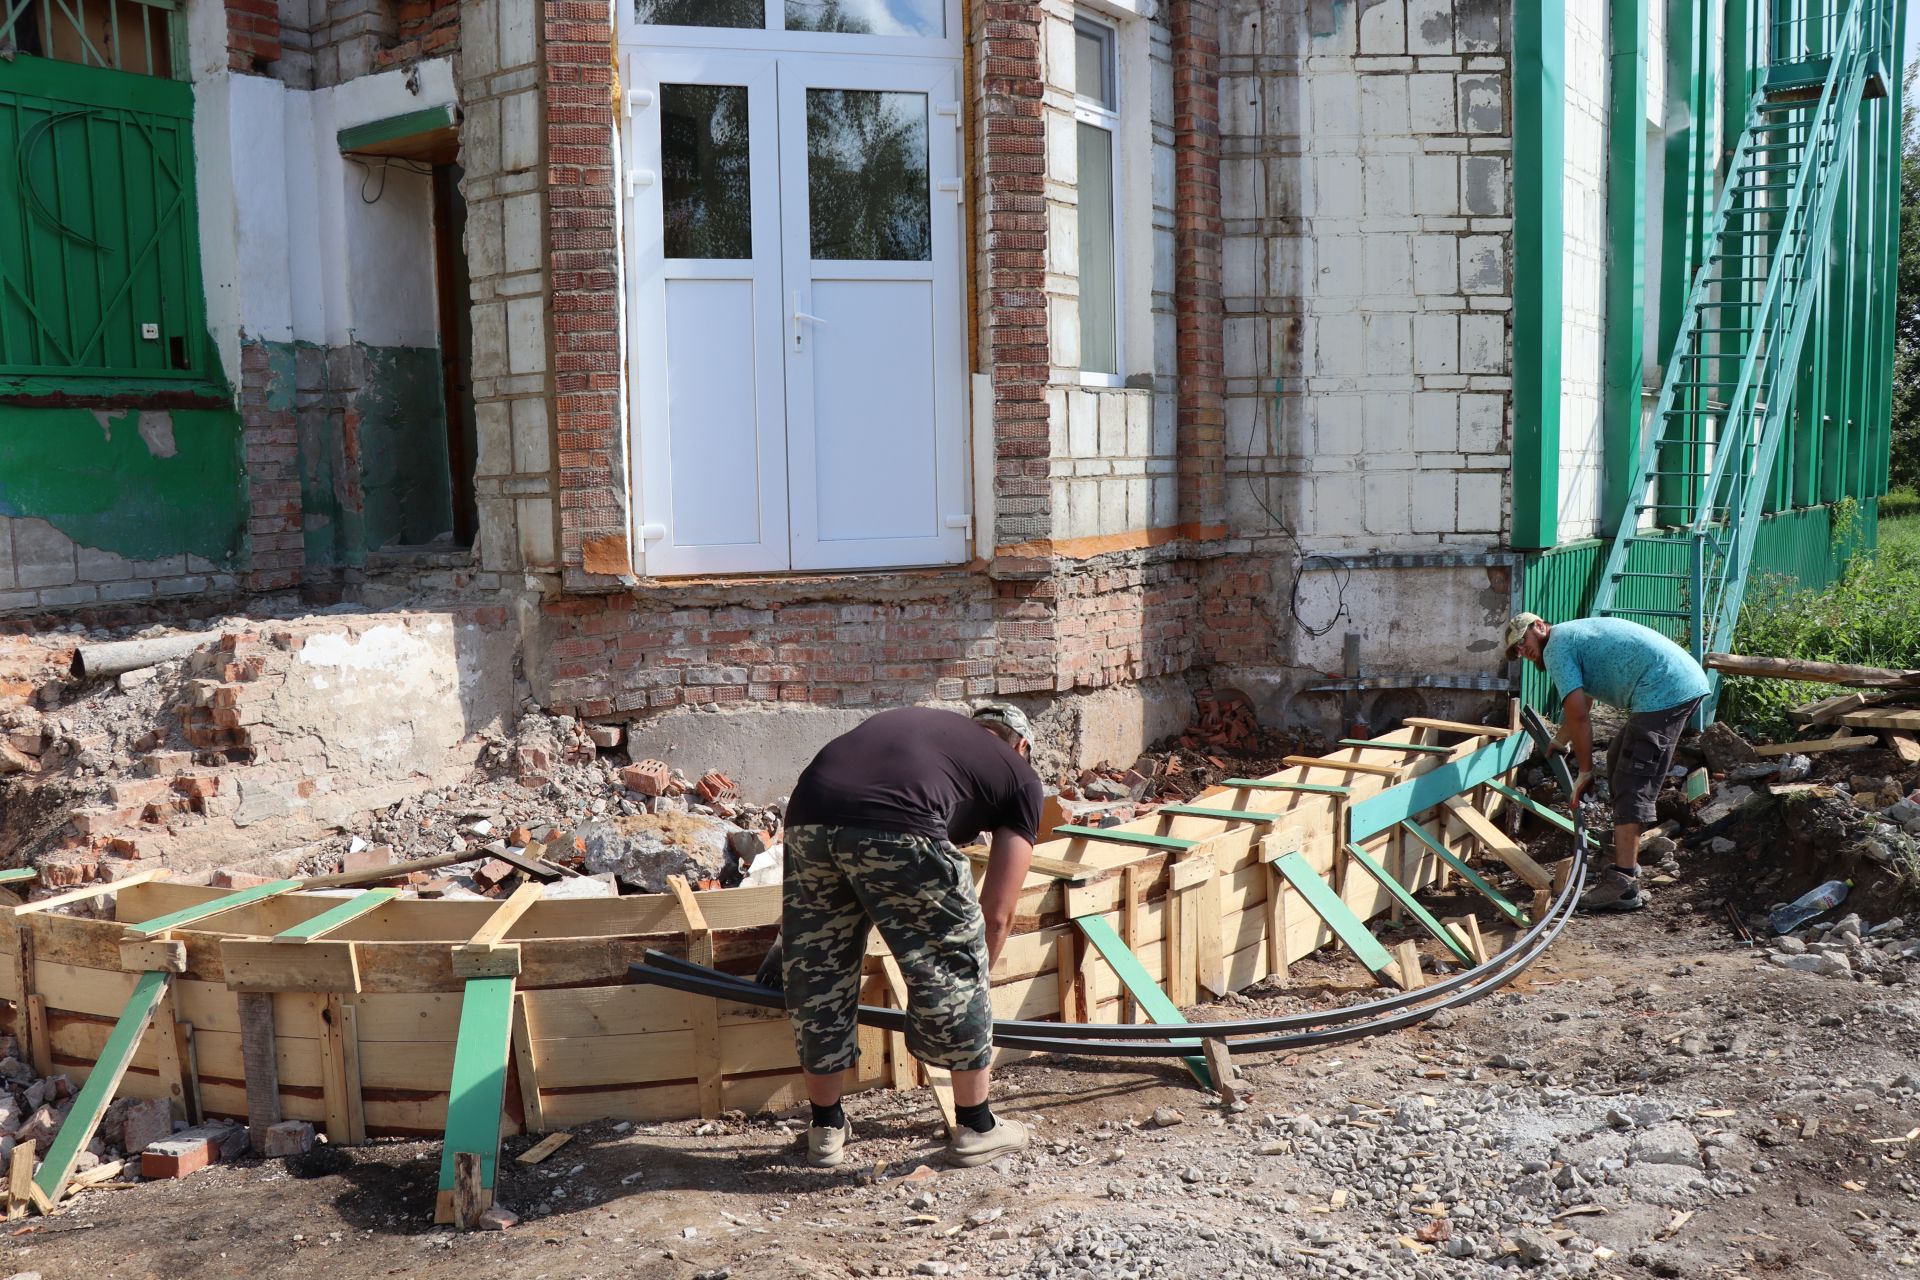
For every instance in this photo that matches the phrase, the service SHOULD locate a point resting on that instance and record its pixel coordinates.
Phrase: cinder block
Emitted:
(1389, 186)
(1433, 505)
(1430, 103)
(1336, 186)
(1113, 424)
(1436, 186)
(1383, 28)
(1482, 423)
(532, 437)
(1436, 339)
(1482, 104)
(42, 555)
(1434, 422)
(519, 130)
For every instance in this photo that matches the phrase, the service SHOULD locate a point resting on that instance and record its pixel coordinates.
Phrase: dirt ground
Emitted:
(1780, 1086)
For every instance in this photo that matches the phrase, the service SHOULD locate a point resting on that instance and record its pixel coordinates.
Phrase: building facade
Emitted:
(792, 358)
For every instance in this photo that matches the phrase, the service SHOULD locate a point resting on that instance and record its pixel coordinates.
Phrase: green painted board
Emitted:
(1539, 810)
(1312, 788)
(212, 907)
(1408, 901)
(1383, 745)
(479, 1088)
(1376, 813)
(1697, 784)
(1472, 877)
(1145, 991)
(1226, 815)
(13, 874)
(1113, 835)
(108, 1070)
(393, 128)
(352, 909)
(1339, 917)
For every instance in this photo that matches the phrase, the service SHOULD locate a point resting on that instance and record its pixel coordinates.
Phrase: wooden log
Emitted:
(1802, 669)
(262, 1061)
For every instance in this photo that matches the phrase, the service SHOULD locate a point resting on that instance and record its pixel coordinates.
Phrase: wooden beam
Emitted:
(1455, 726)
(939, 1079)
(173, 1045)
(1344, 766)
(1803, 669)
(260, 1058)
(708, 1071)
(20, 1186)
(335, 917)
(1116, 835)
(1376, 813)
(148, 957)
(502, 960)
(1056, 868)
(23, 978)
(527, 1067)
(1407, 956)
(1814, 746)
(1276, 911)
(1881, 719)
(102, 1082)
(1133, 976)
(506, 915)
(102, 889)
(267, 966)
(1903, 745)
(207, 910)
(475, 1097)
(1497, 842)
(472, 1189)
(1406, 899)
(14, 875)
(1338, 916)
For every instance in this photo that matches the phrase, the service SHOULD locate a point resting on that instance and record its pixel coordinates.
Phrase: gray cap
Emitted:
(1009, 715)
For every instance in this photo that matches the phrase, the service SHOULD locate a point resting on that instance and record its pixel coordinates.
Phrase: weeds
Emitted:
(1871, 616)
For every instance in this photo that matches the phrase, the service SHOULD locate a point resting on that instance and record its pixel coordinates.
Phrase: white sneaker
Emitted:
(968, 1148)
(826, 1148)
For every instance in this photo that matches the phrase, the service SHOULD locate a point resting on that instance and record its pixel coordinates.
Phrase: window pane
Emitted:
(701, 13)
(706, 184)
(1099, 325)
(869, 17)
(1090, 59)
(867, 175)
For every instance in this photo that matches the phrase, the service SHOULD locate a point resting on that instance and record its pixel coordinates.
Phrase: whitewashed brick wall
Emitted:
(1113, 467)
(1583, 275)
(1365, 182)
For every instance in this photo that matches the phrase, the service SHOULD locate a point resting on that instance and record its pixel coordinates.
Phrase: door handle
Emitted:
(799, 318)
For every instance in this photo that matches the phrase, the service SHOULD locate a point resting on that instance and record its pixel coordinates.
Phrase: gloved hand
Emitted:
(772, 969)
(1580, 785)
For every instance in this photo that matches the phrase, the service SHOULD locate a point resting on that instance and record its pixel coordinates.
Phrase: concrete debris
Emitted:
(643, 850)
(288, 1138)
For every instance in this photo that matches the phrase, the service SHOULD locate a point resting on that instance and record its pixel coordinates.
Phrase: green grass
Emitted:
(1868, 617)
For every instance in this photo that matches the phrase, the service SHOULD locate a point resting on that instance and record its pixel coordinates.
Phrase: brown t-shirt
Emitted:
(922, 772)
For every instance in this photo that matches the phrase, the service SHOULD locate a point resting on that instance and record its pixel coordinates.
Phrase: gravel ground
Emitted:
(1653, 1098)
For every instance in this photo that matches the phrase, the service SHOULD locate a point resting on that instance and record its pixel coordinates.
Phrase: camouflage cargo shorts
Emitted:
(919, 893)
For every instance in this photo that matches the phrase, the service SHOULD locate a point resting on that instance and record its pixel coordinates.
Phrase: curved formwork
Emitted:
(346, 1008)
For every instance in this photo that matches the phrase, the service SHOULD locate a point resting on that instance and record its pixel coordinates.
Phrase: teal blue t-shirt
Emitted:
(1622, 664)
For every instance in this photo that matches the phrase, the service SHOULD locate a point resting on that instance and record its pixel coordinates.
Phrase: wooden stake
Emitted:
(1407, 956)
(470, 1196)
(1130, 909)
(1066, 959)
(20, 1181)
(705, 1013)
(1226, 1081)
(1277, 965)
(527, 1067)
(262, 1064)
(173, 1043)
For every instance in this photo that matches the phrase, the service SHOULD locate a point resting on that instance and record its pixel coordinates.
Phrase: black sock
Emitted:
(1632, 872)
(833, 1117)
(978, 1117)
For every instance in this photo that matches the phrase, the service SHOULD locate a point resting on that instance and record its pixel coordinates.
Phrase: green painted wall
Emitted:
(94, 474)
(406, 474)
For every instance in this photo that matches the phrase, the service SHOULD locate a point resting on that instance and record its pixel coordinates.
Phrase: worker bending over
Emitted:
(871, 835)
(1658, 685)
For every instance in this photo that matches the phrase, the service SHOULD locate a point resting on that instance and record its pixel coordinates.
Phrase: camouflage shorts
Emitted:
(919, 892)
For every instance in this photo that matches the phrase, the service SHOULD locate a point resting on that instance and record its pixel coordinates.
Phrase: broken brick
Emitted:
(496, 1218)
(95, 819)
(371, 858)
(288, 1138)
(197, 786)
(493, 871)
(227, 878)
(715, 785)
(604, 735)
(647, 778)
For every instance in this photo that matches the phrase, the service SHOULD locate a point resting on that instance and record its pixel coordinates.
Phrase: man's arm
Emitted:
(1577, 727)
(1007, 864)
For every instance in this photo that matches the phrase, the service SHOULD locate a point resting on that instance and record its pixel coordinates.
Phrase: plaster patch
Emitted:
(106, 418)
(156, 428)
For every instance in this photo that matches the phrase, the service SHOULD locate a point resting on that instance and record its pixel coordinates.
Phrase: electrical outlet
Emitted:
(151, 332)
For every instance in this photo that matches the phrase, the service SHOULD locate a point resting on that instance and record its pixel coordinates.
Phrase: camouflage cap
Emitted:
(1009, 715)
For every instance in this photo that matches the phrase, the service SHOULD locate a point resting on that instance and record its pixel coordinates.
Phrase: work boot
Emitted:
(968, 1148)
(1615, 891)
(827, 1147)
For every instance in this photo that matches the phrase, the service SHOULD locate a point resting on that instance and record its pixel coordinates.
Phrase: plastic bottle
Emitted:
(1808, 905)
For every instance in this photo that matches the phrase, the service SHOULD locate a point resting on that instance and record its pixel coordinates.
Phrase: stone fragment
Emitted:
(147, 1121)
(1165, 1117)
(41, 1126)
(496, 1218)
(288, 1138)
(1667, 1143)
(643, 850)
(1724, 749)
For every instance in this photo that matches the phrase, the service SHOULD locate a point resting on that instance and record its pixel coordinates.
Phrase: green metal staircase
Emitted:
(1679, 562)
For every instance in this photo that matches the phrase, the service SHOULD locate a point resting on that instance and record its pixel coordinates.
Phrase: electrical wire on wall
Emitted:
(410, 166)
(1302, 559)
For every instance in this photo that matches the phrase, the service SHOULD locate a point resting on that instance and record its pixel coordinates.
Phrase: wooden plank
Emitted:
(327, 921)
(1406, 956)
(1054, 868)
(339, 1082)
(1224, 815)
(545, 1147)
(1345, 766)
(37, 1034)
(1145, 992)
(1219, 1061)
(1376, 813)
(477, 1092)
(23, 986)
(207, 910)
(1448, 858)
(708, 1070)
(472, 1193)
(1385, 744)
(173, 1051)
(85, 891)
(153, 957)
(1276, 922)
(1814, 746)
(1338, 916)
(262, 1062)
(505, 916)
(1211, 968)
(1188, 874)
(348, 1021)
(527, 1067)
(501, 960)
(1273, 784)
(1497, 842)
(1067, 962)
(268, 966)
(1903, 745)
(1455, 726)
(102, 1082)
(14, 875)
(939, 1079)
(1407, 900)
(1117, 835)
(20, 1186)
(1132, 900)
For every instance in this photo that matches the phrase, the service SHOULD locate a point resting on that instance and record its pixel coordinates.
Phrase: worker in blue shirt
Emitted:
(1646, 675)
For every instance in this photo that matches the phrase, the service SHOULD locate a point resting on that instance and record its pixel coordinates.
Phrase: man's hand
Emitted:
(773, 969)
(1007, 865)
(1580, 785)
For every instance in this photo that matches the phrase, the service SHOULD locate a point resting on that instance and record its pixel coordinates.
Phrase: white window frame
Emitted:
(1100, 115)
(775, 37)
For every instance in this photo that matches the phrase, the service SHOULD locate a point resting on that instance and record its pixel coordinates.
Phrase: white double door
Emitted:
(796, 311)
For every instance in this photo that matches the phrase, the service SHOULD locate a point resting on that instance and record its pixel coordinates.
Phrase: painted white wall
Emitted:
(1584, 273)
(295, 246)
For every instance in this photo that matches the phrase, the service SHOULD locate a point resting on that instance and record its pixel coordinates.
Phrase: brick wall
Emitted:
(270, 442)
(253, 34)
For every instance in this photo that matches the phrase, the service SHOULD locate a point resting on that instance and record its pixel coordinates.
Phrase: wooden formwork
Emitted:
(348, 1016)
